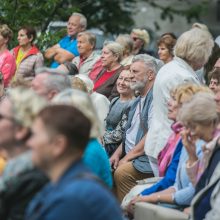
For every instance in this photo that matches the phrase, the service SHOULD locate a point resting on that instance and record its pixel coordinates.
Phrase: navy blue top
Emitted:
(74, 198)
(170, 174)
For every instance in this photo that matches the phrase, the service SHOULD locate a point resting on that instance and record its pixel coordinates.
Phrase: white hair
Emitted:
(56, 79)
(82, 21)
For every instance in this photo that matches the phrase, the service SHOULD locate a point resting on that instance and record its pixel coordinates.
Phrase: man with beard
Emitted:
(129, 160)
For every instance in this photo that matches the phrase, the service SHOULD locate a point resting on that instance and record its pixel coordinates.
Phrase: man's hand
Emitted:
(114, 161)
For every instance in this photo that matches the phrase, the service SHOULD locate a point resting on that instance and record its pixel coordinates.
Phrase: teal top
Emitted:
(95, 157)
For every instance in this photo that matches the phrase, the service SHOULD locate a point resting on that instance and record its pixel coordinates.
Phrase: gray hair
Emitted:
(82, 21)
(115, 48)
(149, 61)
(90, 37)
(201, 109)
(194, 46)
(56, 79)
(83, 103)
(126, 41)
(26, 104)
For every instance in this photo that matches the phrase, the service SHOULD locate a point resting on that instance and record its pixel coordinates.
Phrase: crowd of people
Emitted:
(117, 134)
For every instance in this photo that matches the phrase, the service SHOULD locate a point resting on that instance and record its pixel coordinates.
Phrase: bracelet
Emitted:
(158, 198)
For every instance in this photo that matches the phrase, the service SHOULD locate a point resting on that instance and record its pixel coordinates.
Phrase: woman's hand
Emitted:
(189, 142)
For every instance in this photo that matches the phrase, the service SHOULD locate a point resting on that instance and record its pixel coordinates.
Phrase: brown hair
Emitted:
(30, 31)
(169, 41)
(68, 121)
(6, 32)
(215, 74)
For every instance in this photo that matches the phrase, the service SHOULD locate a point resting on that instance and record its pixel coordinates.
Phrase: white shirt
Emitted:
(133, 130)
(169, 77)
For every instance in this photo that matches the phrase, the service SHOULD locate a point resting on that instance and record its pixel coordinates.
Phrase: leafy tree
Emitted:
(112, 16)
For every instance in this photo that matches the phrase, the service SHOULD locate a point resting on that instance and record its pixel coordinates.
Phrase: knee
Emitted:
(121, 173)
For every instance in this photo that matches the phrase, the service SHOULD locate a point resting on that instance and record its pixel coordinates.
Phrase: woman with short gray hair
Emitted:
(105, 82)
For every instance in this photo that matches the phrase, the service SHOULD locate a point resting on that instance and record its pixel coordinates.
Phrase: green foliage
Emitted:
(111, 16)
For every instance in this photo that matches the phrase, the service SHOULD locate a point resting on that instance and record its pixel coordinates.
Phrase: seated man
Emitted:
(58, 142)
(129, 160)
(86, 42)
(66, 49)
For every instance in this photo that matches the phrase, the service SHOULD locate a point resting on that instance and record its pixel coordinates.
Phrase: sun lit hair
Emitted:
(185, 92)
(25, 105)
(201, 109)
(143, 35)
(126, 42)
(77, 83)
(89, 83)
(201, 26)
(82, 102)
(194, 46)
(115, 48)
(6, 32)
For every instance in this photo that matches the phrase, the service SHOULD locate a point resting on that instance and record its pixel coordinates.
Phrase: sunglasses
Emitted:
(135, 38)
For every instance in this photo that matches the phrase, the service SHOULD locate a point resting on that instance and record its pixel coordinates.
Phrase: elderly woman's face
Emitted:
(204, 132)
(164, 53)
(123, 83)
(107, 57)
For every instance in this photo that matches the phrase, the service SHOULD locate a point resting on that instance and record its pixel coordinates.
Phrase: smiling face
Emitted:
(123, 83)
(23, 39)
(164, 53)
(74, 26)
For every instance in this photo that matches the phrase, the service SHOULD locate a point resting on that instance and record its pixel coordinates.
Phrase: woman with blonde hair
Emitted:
(105, 82)
(95, 156)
